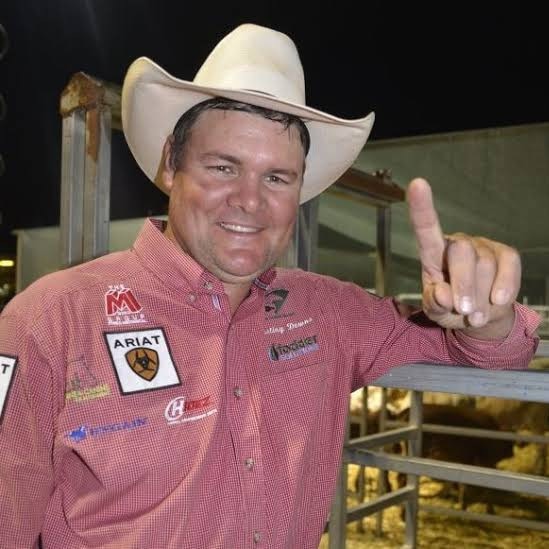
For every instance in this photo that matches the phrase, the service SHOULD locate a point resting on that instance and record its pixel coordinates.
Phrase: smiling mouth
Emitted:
(241, 229)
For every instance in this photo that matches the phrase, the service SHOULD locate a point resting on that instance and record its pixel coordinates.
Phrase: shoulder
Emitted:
(54, 290)
(310, 281)
(304, 279)
(319, 286)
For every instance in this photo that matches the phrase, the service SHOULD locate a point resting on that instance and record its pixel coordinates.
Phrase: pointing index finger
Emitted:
(425, 223)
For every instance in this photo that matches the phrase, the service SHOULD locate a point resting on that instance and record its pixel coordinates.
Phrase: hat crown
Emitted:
(257, 59)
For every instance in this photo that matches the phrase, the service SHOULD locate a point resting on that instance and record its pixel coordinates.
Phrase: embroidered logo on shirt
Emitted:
(7, 368)
(142, 360)
(298, 347)
(82, 432)
(274, 301)
(179, 406)
(82, 384)
(274, 330)
(121, 306)
(300, 324)
(289, 326)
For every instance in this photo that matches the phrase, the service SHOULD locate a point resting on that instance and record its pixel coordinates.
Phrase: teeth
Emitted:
(239, 228)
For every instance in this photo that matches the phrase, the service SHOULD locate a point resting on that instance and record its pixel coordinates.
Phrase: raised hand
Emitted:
(469, 282)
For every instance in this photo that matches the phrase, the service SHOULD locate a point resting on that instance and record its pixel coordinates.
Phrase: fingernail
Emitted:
(501, 297)
(466, 304)
(477, 318)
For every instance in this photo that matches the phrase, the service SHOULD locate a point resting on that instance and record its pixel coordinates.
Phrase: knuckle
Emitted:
(512, 255)
(486, 265)
(462, 248)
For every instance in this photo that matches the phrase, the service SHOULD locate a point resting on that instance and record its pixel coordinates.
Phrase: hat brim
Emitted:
(153, 101)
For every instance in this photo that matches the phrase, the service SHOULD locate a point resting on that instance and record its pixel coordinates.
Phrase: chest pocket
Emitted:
(294, 393)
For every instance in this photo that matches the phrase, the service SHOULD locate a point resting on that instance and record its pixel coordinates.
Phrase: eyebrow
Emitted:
(221, 156)
(282, 171)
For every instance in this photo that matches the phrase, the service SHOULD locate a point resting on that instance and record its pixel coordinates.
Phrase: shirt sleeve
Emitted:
(377, 334)
(26, 434)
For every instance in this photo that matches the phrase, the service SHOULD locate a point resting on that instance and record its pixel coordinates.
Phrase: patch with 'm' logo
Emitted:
(142, 360)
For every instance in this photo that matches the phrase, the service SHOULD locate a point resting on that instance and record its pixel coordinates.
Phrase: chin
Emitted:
(244, 268)
(239, 278)
(244, 271)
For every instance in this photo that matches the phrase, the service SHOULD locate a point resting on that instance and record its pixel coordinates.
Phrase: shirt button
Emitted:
(249, 463)
(257, 536)
(191, 298)
(238, 392)
(208, 285)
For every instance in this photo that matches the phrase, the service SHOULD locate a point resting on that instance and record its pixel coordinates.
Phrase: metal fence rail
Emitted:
(531, 385)
(525, 385)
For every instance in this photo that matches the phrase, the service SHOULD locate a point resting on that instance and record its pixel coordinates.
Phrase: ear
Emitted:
(165, 175)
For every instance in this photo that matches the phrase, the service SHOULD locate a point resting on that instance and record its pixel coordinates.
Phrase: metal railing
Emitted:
(525, 385)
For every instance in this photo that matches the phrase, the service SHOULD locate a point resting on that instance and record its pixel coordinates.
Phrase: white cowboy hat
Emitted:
(252, 64)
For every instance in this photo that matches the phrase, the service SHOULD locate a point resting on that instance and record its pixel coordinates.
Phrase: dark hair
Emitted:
(183, 127)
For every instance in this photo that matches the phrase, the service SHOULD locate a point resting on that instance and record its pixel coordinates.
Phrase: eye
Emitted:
(276, 180)
(222, 169)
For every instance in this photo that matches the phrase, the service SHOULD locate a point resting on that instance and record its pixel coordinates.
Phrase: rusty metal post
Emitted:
(72, 187)
(90, 108)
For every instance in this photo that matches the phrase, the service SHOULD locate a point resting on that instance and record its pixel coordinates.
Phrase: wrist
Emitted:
(497, 328)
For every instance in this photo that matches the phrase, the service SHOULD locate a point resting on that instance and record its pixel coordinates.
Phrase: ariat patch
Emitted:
(142, 360)
(7, 369)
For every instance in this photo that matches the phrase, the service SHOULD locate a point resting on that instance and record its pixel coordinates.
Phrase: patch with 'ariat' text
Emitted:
(142, 360)
(7, 369)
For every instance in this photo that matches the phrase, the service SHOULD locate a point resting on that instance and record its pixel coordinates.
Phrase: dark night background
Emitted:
(445, 67)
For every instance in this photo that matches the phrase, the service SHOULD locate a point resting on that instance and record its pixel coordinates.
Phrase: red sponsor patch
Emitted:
(122, 307)
(120, 300)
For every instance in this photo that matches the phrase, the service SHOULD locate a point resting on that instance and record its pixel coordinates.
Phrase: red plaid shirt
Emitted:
(137, 413)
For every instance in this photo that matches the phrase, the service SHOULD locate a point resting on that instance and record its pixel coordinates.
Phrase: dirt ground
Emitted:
(442, 532)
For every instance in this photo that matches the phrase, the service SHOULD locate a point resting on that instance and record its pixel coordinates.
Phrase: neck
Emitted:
(236, 293)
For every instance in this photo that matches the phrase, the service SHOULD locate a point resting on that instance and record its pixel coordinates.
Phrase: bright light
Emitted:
(7, 262)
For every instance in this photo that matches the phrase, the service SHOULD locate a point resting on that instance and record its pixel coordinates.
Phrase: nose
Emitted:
(247, 193)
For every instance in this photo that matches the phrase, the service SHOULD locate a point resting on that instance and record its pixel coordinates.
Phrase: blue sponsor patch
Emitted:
(82, 432)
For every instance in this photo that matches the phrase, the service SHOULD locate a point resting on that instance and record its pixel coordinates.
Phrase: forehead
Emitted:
(218, 124)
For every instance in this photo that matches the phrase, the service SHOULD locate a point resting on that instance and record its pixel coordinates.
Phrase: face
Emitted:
(234, 200)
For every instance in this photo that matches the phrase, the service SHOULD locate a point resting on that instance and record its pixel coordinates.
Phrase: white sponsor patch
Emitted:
(7, 368)
(181, 405)
(142, 360)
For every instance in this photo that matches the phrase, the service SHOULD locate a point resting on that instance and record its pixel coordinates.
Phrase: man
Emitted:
(185, 393)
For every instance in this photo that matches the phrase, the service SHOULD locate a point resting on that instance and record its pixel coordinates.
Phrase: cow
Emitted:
(520, 417)
(468, 450)
(464, 449)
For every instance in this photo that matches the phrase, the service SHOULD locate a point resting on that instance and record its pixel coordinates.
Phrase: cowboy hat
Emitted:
(252, 64)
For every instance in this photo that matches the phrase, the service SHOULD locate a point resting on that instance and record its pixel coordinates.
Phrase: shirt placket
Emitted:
(244, 427)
